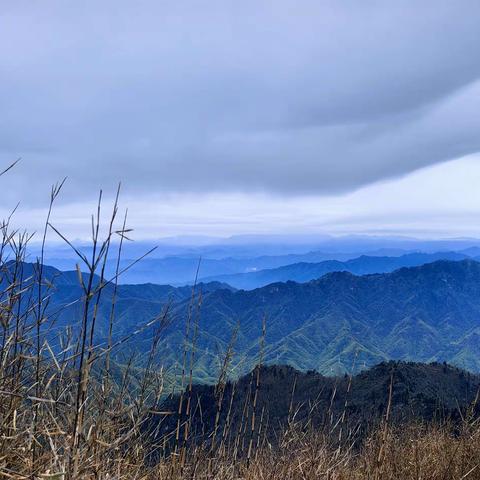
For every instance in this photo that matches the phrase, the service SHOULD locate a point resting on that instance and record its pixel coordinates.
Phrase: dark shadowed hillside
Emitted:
(419, 391)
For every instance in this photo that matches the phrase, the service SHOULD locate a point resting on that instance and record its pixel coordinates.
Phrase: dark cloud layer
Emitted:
(284, 97)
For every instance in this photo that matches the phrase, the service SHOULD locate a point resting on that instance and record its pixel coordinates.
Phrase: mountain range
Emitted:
(176, 261)
(342, 321)
(337, 323)
(306, 271)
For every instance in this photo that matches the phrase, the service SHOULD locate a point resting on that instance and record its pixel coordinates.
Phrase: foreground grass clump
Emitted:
(411, 453)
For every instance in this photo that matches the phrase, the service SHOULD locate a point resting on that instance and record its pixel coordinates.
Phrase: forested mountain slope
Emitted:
(426, 313)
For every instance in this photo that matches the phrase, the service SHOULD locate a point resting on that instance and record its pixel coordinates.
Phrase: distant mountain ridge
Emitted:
(306, 271)
(181, 270)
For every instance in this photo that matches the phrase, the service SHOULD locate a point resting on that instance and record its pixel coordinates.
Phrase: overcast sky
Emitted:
(245, 117)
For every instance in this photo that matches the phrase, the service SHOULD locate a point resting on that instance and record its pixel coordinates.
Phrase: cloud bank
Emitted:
(281, 98)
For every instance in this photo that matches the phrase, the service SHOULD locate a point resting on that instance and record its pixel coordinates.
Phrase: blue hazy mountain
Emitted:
(304, 271)
(181, 270)
(175, 260)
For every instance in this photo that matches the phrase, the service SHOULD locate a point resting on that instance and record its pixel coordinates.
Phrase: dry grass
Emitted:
(67, 413)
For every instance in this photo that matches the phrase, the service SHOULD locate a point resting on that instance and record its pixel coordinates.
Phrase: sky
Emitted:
(224, 118)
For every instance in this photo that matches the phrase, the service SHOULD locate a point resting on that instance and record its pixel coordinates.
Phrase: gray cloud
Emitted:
(282, 97)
